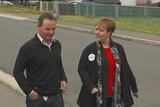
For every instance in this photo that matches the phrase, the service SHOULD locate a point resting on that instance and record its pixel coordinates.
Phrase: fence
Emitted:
(94, 9)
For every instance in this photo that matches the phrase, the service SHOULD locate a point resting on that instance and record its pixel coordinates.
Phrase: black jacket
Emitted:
(88, 71)
(44, 69)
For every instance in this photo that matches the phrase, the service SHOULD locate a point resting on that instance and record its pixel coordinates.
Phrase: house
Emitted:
(155, 1)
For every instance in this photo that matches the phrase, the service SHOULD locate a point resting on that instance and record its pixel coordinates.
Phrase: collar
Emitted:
(42, 40)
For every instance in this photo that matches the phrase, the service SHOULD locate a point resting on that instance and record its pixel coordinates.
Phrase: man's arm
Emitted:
(18, 72)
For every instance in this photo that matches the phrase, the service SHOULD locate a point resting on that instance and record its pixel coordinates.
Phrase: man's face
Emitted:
(47, 30)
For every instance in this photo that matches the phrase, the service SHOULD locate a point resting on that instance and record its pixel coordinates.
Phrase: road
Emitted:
(144, 59)
(10, 98)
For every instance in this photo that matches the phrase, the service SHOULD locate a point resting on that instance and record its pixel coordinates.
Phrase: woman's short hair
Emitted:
(107, 24)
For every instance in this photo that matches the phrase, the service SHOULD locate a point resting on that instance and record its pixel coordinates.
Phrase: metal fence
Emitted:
(57, 8)
(94, 9)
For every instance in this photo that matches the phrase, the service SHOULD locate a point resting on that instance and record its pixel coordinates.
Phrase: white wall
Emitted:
(128, 2)
(155, 1)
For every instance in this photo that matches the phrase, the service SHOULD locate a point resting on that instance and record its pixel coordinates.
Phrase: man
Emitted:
(40, 57)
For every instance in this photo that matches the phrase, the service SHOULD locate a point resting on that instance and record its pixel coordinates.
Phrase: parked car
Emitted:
(5, 2)
(118, 2)
(74, 1)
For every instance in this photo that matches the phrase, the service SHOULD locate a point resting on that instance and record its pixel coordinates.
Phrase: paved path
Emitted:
(10, 98)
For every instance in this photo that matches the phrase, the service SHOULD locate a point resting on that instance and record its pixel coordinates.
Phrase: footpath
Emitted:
(10, 98)
(10, 81)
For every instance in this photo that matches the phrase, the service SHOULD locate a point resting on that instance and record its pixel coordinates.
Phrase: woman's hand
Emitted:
(135, 94)
(94, 90)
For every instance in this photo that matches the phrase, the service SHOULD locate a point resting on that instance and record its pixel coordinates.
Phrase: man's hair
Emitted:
(44, 16)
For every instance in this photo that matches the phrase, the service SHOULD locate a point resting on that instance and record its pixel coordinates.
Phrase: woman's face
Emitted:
(102, 35)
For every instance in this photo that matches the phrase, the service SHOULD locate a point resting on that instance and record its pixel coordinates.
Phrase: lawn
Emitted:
(140, 24)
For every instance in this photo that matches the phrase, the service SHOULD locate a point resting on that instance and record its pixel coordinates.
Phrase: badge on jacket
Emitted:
(91, 57)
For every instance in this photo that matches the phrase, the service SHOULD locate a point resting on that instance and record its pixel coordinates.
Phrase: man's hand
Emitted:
(63, 86)
(33, 95)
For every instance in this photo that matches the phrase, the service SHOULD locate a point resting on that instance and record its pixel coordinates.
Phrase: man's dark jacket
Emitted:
(43, 66)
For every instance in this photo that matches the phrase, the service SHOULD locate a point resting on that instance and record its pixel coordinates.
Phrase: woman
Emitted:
(105, 73)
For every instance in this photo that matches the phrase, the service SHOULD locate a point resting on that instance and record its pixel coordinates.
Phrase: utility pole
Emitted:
(1, 2)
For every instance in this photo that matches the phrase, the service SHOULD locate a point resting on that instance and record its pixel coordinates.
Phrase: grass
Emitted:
(138, 24)
(18, 9)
